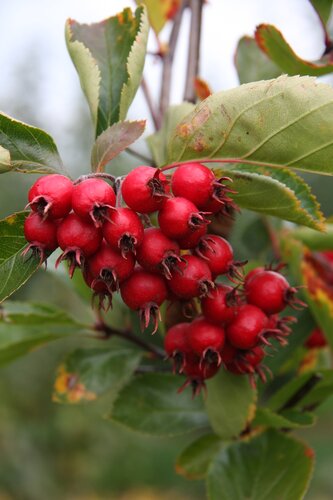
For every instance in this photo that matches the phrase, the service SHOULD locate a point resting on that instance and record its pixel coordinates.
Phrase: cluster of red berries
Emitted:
(118, 248)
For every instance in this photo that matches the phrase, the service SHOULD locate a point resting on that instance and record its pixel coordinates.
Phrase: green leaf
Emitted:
(289, 419)
(230, 404)
(318, 385)
(109, 58)
(26, 149)
(24, 326)
(87, 373)
(314, 240)
(271, 466)
(113, 141)
(15, 270)
(272, 43)
(323, 9)
(158, 141)
(159, 11)
(194, 460)
(150, 404)
(285, 122)
(252, 64)
(280, 193)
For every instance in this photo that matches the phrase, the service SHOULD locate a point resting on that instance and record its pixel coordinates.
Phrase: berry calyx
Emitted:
(192, 239)
(41, 235)
(78, 239)
(192, 278)
(100, 291)
(179, 216)
(206, 340)
(219, 255)
(123, 230)
(271, 292)
(110, 267)
(92, 199)
(247, 328)
(176, 345)
(144, 291)
(158, 252)
(51, 196)
(145, 189)
(197, 373)
(219, 305)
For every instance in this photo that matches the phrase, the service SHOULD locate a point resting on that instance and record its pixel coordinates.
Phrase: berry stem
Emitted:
(301, 392)
(155, 116)
(193, 51)
(102, 175)
(140, 156)
(109, 331)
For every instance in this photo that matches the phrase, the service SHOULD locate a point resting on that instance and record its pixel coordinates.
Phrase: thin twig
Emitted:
(108, 331)
(150, 104)
(168, 61)
(193, 51)
(140, 156)
(302, 392)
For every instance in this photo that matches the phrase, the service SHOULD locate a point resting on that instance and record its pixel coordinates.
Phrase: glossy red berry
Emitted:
(100, 290)
(206, 340)
(144, 292)
(124, 230)
(270, 291)
(158, 252)
(192, 239)
(92, 199)
(197, 372)
(108, 266)
(176, 345)
(41, 235)
(247, 328)
(145, 189)
(78, 239)
(316, 339)
(252, 273)
(218, 254)
(219, 305)
(192, 278)
(179, 216)
(51, 196)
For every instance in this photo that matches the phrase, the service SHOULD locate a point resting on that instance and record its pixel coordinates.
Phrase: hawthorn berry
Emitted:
(51, 196)
(192, 239)
(219, 305)
(176, 345)
(218, 254)
(179, 216)
(247, 328)
(144, 291)
(158, 252)
(123, 230)
(206, 340)
(197, 373)
(100, 290)
(41, 235)
(78, 239)
(145, 189)
(92, 199)
(191, 279)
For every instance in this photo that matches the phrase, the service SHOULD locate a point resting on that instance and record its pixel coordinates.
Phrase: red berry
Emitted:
(144, 292)
(252, 273)
(92, 199)
(158, 253)
(100, 290)
(179, 217)
(176, 346)
(78, 239)
(51, 196)
(218, 306)
(198, 372)
(192, 278)
(316, 339)
(246, 329)
(192, 239)
(206, 340)
(124, 230)
(110, 267)
(144, 189)
(217, 252)
(41, 235)
(228, 353)
(270, 291)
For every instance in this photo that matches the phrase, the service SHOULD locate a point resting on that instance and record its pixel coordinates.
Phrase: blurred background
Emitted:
(61, 452)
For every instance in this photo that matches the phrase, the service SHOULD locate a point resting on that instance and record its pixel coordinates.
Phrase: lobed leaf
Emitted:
(113, 141)
(109, 58)
(272, 43)
(87, 373)
(230, 404)
(280, 193)
(194, 460)
(150, 404)
(286, 122)
(270, 466)
(15, 270)
(252, 64)
(27, 149)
